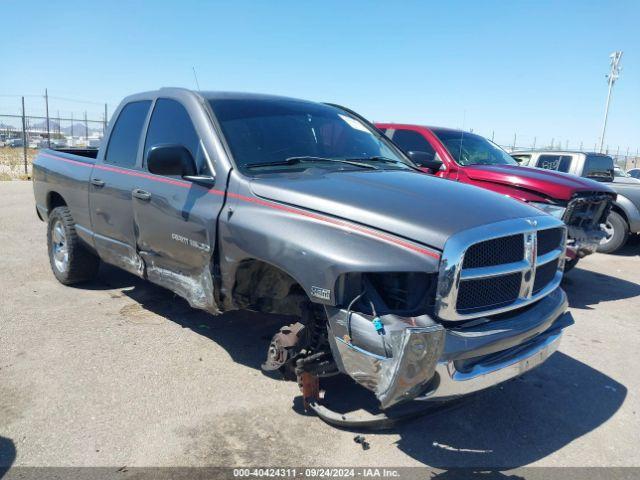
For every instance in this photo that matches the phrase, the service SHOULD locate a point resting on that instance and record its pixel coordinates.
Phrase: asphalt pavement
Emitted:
(121, 372)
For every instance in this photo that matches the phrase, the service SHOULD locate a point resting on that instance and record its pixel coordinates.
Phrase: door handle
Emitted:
(97, 182)
(141, 194)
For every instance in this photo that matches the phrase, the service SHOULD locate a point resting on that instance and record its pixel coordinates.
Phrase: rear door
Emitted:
(176, 219)
(110, 189)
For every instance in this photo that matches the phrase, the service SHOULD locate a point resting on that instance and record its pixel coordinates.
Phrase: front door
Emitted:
(176, 219)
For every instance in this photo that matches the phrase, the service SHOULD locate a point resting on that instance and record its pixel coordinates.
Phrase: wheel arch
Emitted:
(267, 288)
(620, 211)
(54, 200)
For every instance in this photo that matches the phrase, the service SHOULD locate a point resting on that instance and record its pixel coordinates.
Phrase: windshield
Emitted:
(471, 149)
(266, 134)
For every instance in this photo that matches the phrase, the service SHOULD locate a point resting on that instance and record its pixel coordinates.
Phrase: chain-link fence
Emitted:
(32, 122)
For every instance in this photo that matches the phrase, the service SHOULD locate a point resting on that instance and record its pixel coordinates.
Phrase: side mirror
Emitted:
(425, 160)
(171, 160)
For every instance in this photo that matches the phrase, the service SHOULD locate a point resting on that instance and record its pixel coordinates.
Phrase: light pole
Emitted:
(611, 78)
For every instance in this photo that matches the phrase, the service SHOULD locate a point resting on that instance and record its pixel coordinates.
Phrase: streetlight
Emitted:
(614, 73)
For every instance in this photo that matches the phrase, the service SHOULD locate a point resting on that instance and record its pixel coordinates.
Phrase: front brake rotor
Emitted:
(283, 346)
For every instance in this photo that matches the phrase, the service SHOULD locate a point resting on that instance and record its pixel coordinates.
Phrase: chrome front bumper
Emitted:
(422, 360)
(453, 383)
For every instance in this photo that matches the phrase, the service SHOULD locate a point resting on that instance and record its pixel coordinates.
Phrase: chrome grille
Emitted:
(549, 240)
(483, 293)
(500, 267)
(494, 252)
(544, 274)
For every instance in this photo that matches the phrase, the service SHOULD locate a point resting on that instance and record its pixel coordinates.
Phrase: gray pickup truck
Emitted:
(415, 287)
(624, 217)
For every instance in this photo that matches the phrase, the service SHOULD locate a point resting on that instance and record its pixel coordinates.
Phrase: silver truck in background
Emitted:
(624, 217)
(411, 285)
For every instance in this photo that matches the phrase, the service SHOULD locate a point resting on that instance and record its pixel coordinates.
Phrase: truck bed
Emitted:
(80, 152)
(64, 174)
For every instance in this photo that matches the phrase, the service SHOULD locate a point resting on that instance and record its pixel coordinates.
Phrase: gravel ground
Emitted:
(120, 372)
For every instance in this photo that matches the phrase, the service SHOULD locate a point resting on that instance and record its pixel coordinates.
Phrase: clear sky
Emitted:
(535, 68)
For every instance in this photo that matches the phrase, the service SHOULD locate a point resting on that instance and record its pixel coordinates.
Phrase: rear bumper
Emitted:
(424, 361)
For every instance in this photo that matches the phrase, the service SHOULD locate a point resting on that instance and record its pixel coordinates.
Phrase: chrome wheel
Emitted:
(60, 247)
(607, 228)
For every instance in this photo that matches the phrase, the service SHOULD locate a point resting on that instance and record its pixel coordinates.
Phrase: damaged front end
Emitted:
(383, 340)
(584, 217)
(421, 360)
(493, 311)
(411, 348)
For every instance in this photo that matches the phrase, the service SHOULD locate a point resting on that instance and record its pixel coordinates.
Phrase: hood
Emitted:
(412, 205)
(549, 183)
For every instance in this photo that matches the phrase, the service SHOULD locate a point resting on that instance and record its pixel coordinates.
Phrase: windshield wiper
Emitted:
(297, 160)
(380, 158)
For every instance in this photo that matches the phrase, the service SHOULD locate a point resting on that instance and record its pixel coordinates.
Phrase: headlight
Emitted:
(554, 210)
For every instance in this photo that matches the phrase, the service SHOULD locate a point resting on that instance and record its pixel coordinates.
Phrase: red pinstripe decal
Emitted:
(258, 201)
(336, 222)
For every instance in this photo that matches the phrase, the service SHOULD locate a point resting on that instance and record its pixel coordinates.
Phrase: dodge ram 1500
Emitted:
(413, 286)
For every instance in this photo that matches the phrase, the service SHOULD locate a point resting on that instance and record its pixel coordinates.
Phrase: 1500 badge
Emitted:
(190, 242)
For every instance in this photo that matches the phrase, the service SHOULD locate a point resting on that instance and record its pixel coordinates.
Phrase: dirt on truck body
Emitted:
(278, 205)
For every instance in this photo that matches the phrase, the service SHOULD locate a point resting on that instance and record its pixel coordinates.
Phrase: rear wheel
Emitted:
(71, 262)
(616, 230)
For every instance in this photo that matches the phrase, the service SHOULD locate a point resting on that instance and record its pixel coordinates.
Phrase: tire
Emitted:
(70, 261)
(570, 264)
(617, 233)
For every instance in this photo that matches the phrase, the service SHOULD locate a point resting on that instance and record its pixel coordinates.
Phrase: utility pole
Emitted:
(46, 104)
(613, 75)
(24, 137)
(104, 128)
(86, 129)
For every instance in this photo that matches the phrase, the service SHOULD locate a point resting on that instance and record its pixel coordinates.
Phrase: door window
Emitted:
(561, 163)
(170, 124)
(125, 136)
(409, 140)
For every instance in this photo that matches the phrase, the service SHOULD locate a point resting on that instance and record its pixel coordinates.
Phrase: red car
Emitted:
(465, 157)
